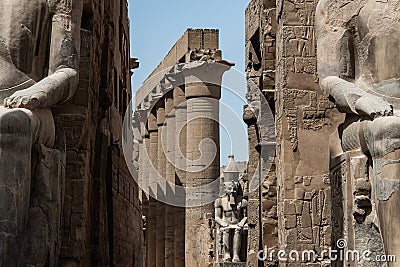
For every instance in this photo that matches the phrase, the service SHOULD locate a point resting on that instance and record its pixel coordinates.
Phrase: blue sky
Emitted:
(157, 24)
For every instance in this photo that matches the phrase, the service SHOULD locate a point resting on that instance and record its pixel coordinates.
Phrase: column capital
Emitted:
(204, 78)
(205, 71)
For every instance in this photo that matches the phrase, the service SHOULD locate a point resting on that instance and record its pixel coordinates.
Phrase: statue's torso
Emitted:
(378, 47)
(24, 33)
(231, 213)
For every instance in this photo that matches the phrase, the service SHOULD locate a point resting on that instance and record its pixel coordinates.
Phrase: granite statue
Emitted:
(231, 218)
(39, 57)
(358, 67)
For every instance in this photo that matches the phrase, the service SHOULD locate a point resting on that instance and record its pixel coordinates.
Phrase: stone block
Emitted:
(306, 217)
(289, 208)
(299, 192)
(307, 180)
(298, 179)
(290, 221)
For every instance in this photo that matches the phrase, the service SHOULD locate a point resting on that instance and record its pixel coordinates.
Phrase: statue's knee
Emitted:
(393, 128)
(386, 127)
(15, 122)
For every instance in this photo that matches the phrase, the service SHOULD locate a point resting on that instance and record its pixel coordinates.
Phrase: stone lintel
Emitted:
(192, 40)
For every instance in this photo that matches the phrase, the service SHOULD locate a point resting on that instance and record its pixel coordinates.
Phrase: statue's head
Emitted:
(230, 188)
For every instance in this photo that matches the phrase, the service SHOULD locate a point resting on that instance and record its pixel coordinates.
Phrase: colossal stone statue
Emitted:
(359, 69)
(39, 55)
(231, 217)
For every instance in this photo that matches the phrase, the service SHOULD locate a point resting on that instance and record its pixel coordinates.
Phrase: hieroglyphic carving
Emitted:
(308, 106)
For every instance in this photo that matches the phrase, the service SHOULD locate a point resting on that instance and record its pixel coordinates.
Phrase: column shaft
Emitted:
(161, 189)
(202, 125)
(152, 164)
(170, 177)
(144, 145)
(180, 173)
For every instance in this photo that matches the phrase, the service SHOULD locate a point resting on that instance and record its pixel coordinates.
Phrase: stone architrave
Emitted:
(29, 86)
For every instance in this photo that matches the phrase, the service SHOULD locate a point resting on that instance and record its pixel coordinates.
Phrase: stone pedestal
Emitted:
(355, 221)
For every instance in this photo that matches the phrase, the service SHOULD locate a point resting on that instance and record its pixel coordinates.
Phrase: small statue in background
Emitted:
(231, 218)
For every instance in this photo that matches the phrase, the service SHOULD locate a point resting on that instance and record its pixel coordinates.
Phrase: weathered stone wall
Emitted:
(305, 119)
(313, 196)
(260, 71)
(102, 225)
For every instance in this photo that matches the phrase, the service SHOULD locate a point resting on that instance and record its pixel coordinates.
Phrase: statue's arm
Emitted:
(218, 213)
(346, 95)
(61, 83)
(244, 210)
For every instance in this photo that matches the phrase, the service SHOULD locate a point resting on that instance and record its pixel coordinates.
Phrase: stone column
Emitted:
(203, 90)
(169, 146)
(138, 150)
(180, 178)
(161, 190)
(152, 164)
(144, 152)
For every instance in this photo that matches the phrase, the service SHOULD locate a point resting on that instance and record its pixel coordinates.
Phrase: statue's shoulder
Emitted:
(322, 8)
(218, 203)
(337, 12)
(321, 17)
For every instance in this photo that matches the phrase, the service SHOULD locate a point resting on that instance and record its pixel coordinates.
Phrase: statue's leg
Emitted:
(387, 194)
(236, 245)
(219, 243)
(19, 129)
(383, 140)
(15, 169)
(227, 249)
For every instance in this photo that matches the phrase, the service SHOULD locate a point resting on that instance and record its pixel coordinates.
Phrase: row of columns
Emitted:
(170, 146)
